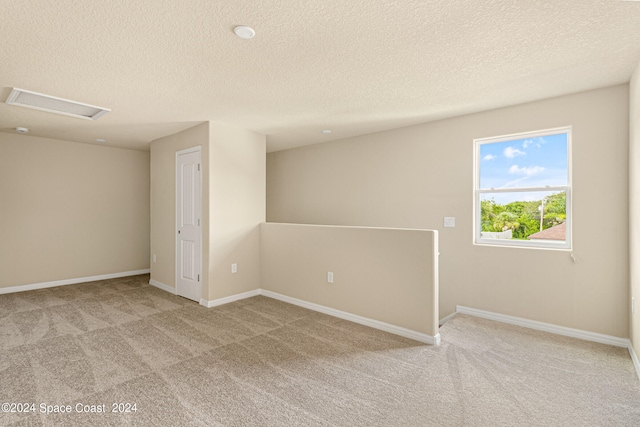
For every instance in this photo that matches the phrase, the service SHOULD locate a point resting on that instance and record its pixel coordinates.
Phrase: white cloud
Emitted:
(534, 141)
(511, 152)
(489, 157)
(530, 171)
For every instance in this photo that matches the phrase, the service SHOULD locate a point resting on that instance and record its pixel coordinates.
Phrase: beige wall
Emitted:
(163, 201)
(413, 177)
(382, 274)
(634, 204)
(70, 210)
(238, 193)
(233, 205)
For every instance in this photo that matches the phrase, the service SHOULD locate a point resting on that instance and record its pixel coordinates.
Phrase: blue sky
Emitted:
(525, 162)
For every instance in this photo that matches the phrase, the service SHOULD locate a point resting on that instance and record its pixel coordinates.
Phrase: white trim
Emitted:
(397, 330)
(550, 188)
(193, 149)
(44, 285)
(227, 300)
(447, 318)
(565, 245)
(634, 358)
(376, 324)
(546, 327)
(164, 287)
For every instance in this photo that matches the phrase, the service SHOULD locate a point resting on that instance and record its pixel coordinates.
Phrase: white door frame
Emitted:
(197, 149)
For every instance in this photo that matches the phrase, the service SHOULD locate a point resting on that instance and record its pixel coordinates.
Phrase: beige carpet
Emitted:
(261, 362)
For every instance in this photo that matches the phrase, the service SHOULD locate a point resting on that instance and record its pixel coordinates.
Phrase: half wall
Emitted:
(387, 275)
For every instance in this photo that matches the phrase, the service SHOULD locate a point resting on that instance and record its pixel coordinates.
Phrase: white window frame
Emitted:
(477, 228)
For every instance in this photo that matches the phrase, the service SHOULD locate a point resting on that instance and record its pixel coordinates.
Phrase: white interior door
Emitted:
(188, 227)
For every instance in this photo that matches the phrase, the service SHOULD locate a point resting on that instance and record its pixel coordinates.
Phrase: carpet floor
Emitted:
(162, 360)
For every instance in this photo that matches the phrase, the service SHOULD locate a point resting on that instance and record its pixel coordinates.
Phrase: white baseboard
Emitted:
(43, 285)
(634, 358)
(397, 330)
(227, 300)
(376, 324)
(546, 327)
(164, 287)
(446, 319)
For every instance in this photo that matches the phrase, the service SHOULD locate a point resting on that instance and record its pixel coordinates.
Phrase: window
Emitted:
(522, 193)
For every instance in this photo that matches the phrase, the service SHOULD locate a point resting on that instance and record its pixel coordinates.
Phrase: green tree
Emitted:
(523, 218)
(506, 221)
(555, 210)
(489, 211)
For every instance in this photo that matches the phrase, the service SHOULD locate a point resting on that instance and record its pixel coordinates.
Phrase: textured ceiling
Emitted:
(355, 67)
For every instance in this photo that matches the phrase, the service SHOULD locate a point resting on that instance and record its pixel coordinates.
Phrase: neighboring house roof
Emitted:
(557, 232)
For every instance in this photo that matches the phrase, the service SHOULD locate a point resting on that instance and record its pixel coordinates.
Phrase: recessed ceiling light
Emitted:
(101, 140)
(244, 32)
(22, 130)
(326, 131)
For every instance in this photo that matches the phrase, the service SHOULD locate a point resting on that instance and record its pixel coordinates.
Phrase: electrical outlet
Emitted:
(234, 268)
(154, 257)
(330, 277)
(449, 221)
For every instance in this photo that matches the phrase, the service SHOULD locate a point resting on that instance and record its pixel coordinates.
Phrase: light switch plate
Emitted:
(449, 221)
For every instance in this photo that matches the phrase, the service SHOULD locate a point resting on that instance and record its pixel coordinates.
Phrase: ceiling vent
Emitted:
(51, 104)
